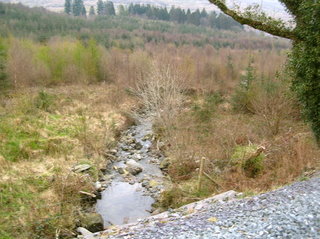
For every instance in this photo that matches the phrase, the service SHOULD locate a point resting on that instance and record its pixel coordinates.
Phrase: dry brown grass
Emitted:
(213, 130)
(289, 154)
(38, 186)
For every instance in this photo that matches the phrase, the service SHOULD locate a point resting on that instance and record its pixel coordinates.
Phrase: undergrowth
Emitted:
(44, 133)
(253, 140)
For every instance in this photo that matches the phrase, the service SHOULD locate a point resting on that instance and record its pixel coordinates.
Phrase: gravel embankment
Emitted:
(290, 212)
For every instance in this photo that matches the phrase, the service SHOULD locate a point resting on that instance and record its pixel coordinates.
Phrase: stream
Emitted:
(133, 181)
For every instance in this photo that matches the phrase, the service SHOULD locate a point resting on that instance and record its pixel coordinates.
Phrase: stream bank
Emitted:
(133, 181)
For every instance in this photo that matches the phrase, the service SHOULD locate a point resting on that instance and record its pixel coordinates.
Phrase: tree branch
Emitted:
(256, 24)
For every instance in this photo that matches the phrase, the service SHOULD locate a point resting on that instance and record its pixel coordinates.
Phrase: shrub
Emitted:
(60, 61)
(249, 160)
(161, 92)
(204, 111)
(44, 101)
(244, 94)
(273, 104)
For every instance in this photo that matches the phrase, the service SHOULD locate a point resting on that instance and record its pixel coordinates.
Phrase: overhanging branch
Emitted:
(256, 24)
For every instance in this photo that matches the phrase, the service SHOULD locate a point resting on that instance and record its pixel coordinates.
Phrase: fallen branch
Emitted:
(211, 179)
(88, 194)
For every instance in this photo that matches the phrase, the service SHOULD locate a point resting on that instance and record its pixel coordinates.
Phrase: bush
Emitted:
(245, 157)
(60, 61)
(161, 92)
(203, 112)
(44, 101)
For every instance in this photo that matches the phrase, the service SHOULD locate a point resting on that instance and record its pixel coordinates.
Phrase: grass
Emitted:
(43, 134)
(211, 128)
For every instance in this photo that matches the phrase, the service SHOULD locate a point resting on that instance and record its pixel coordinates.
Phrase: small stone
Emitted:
(97, 185)
(121, 170)
(113, 151)
(81, 168)
(138, 146)
(212, 219)
(85, 233)
(134, 170)
(165, 163)
(138, 157)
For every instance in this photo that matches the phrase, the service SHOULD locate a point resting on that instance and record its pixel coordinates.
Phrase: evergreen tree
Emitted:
(68, 7)
(76, 7)
(188, 16)
(177, 15)
(122, 11)
(100, 7)
(212, 19)
(83, 10)
(204, 13)
(92, 12)
(109, 8)
(195, 18)
(130, 9)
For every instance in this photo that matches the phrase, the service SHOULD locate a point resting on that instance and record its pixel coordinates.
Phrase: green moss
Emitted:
(252, 166)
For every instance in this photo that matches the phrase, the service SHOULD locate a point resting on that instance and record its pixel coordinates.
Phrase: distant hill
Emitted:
(129, 31)
(273, 7)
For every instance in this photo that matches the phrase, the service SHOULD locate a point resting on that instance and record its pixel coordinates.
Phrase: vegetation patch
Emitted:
(43, 135)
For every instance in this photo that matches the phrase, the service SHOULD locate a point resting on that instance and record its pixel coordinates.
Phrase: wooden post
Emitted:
(200, 173)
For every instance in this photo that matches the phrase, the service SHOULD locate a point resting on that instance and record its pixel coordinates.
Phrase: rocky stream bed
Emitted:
(133, 181)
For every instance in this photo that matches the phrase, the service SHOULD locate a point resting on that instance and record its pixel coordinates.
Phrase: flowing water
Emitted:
(130, 194)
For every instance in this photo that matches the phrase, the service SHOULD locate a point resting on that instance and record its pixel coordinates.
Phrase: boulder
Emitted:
(133, 167)
(92, 221)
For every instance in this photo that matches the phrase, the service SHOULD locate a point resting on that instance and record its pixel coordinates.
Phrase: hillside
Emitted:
(271, 6)
(123, 31)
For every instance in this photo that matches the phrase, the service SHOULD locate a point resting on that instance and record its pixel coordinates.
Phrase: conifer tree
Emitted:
(92, 12)
(76, 7)
(122, 11)
(109, 8)
(100, 7)
(68, 7)
(83, 10)
(204, 13)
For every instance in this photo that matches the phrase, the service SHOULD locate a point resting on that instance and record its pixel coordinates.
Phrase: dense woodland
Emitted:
(175, 14)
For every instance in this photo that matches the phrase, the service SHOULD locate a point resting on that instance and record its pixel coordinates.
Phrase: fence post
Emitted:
(201, 173)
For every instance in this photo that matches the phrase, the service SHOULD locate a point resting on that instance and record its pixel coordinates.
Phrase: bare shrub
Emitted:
(22, 68)
(161, 92)
(273, 104)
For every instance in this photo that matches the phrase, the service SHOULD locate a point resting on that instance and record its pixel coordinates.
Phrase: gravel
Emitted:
(290, 212)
